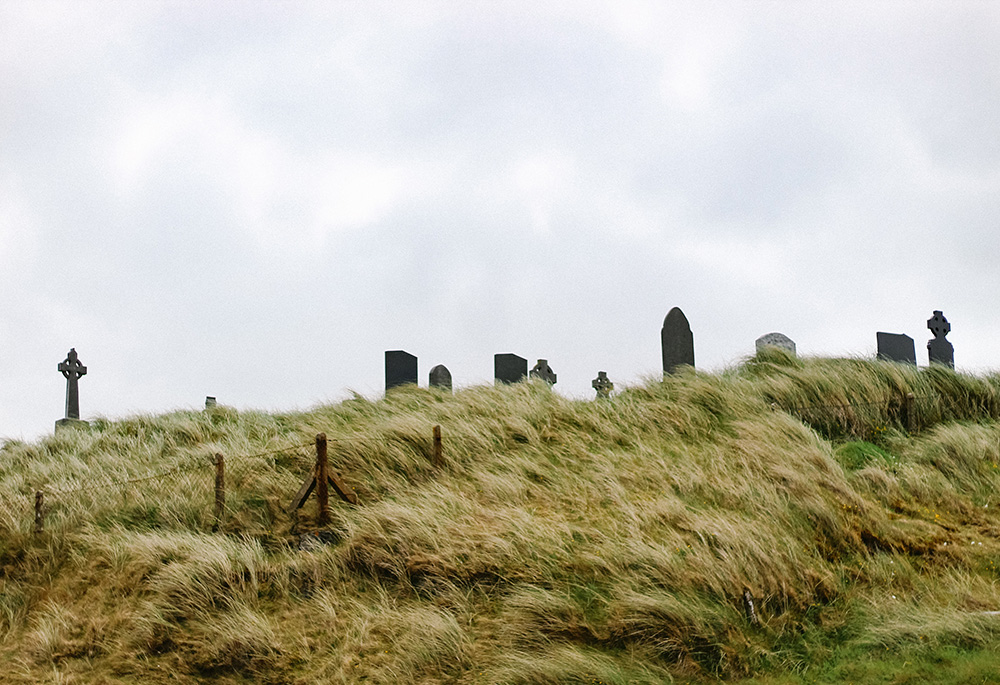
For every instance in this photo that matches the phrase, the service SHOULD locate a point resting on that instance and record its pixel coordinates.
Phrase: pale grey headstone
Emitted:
(543, 371)
(400, 368)
(509, 368)
(677, 341)
(939, 350)
(896, 347)
(775, 340)
(440, 377)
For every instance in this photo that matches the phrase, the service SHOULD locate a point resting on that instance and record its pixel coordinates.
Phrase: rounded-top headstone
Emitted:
(440, 377)
(677, 341)
(775, 340)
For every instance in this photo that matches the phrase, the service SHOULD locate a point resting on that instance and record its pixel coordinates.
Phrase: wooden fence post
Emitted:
(911, 415)
(322, 484)
(220, 488)
(39, 506)
(438, 459)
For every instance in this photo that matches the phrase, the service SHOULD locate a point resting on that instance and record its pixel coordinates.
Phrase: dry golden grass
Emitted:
(563, 542)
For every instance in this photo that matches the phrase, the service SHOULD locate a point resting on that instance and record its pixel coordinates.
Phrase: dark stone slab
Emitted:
(896, 347)
(440, 377)
(73, 370)
(775, 340)
(602, 384)
(400, 368)
(543, 371)
(210, 402)
(509, 368)
(677, 341)
(939, 350)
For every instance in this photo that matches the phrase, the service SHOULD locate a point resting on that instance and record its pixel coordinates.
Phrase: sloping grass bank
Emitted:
(775, 522)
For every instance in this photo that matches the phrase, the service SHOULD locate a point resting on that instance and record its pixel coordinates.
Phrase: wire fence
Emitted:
(262, 492)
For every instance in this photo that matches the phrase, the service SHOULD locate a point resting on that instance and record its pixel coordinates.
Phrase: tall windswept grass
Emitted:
(764, 520)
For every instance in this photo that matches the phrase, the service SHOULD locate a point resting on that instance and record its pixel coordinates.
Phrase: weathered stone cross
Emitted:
(72, 369)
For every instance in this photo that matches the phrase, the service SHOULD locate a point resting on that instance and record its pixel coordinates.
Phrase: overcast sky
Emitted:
(256, 200)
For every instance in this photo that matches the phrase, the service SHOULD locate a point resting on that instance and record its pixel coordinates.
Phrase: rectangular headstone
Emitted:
(400, 368)
(509, 368)
(896, 347)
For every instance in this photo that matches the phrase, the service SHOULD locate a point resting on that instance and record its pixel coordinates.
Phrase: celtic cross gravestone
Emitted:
(543, 371)
(602, 384)
(72, 370)
(939, 350)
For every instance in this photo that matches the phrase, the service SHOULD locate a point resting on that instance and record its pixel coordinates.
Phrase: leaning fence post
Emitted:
(322, 484)
(438, 458)
(39, 506)
(220, 488)
(911, 416)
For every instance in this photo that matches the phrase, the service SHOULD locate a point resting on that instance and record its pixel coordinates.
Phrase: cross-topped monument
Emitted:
(602, 384)
(939, 350)
(72, 369)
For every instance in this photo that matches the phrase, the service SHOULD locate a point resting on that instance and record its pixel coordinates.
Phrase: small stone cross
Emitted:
(602, 384)
(939, 325)
(543, 371)
(72, 369)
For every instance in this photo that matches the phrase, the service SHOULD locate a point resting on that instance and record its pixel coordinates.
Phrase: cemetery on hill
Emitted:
(676, 340)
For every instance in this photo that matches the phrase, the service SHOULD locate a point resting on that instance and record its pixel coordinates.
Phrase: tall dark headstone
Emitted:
(677, 341)
(400, 368)
(440, 377)
(602, 384)
(939, 350)
(72, 370)
(543, 371)
(896, 347)
(509, 368)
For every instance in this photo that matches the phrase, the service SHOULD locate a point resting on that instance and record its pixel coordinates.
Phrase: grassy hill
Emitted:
(785, 521)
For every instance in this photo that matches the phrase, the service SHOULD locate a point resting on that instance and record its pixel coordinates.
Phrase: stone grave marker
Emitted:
(677, 341)
(440, 377)
(210, 402)
(509, 368)
(939, 350)
(400, 369)
(543, 371)
(602, 384)
(72, 370)
(896, 347)
(775, 340)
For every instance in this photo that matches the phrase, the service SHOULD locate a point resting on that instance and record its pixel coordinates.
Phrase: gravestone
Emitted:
(210, 402)
(775, 340)
(400, 369)
(896, 347)
(939, 350)
(602, 384)
(440, 377)
(543, 371)
(72, 370)
(509, 368)
(677, 341)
